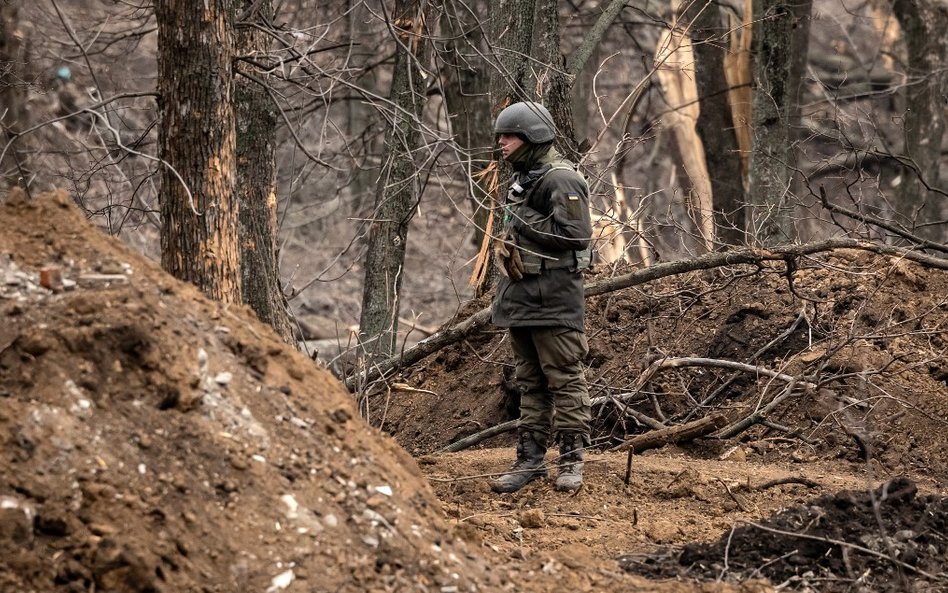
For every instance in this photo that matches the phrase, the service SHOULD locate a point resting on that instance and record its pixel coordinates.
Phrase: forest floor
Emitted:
(155, 441)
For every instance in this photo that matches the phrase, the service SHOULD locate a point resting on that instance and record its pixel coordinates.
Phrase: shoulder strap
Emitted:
(562, 165)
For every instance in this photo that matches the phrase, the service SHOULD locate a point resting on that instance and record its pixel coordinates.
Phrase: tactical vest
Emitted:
(535, 257)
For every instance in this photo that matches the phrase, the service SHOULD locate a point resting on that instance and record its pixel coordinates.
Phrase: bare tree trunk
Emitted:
(923, 23)
(399, 188)
(780, 30)
(468, 105)
(715, 124)
(256, 182)
(556, 84)
(511, 31)
(364, 174)
(197, 140)
(12, 90)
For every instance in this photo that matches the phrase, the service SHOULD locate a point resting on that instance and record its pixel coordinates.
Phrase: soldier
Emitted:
(543, 251)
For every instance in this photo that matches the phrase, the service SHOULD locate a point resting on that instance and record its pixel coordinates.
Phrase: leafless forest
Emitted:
(701, 127)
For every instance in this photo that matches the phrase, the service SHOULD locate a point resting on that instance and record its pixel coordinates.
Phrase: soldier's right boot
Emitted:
(528, 467)
(570, 476)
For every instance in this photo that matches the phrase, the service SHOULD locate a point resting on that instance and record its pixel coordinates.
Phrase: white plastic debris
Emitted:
(386, 490)
(281, 581)
(292, 506)
(9, 502)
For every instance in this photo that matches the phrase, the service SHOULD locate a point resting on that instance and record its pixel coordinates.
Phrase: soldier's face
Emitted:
(509, 143)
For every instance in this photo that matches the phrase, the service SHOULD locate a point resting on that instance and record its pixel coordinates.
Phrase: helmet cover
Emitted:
(528, 119)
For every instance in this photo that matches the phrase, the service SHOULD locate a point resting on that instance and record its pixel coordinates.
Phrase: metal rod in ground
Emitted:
(628, 466)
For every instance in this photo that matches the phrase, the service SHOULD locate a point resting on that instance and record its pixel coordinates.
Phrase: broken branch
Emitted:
(791, 480)
(674, 434)
(461, 444)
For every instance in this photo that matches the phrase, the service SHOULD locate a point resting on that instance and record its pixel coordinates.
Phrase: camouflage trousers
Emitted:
(549, 367)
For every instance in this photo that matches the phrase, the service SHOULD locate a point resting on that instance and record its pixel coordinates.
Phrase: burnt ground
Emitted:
(887, 539)
(155, 441)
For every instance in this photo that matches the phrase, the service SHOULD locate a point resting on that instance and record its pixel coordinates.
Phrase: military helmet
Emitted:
(528, 119)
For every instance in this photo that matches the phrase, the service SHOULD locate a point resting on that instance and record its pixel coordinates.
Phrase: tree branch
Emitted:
(865, 218)
(673, 434)
(593, 37)
(755, 256)
(470, 441)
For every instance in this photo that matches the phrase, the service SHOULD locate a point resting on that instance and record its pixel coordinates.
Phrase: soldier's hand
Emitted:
(500, 249)
(514, 264)
(505, 250)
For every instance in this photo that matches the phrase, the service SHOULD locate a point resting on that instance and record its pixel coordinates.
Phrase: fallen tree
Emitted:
(750, 256)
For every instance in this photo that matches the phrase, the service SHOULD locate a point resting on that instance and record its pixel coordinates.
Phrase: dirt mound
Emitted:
(155, 441)
(886, 540)
(866, 335)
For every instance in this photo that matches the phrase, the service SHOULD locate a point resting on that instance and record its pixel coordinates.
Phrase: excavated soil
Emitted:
(870, 332)
(155, 441)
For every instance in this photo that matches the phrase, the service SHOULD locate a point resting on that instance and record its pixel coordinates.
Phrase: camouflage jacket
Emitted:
(548, 211)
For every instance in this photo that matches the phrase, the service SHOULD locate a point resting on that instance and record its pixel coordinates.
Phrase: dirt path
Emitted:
(672, 500)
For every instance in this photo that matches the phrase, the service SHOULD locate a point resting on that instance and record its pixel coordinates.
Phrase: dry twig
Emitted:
(790, 480)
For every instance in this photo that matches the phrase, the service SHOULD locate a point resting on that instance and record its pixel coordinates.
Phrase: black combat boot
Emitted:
(570, 476)
(528, 467)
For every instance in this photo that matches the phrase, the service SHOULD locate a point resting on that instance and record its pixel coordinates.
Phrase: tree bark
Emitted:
(556, 84)
(256, 182)
(399, 188)
(12, 90)
(781, 28)
(197, 140)
(469, 110)
(715, 125)
(511, 31)
(923, 23)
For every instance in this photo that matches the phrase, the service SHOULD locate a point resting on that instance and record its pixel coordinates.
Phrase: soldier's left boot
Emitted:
(570, 476)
